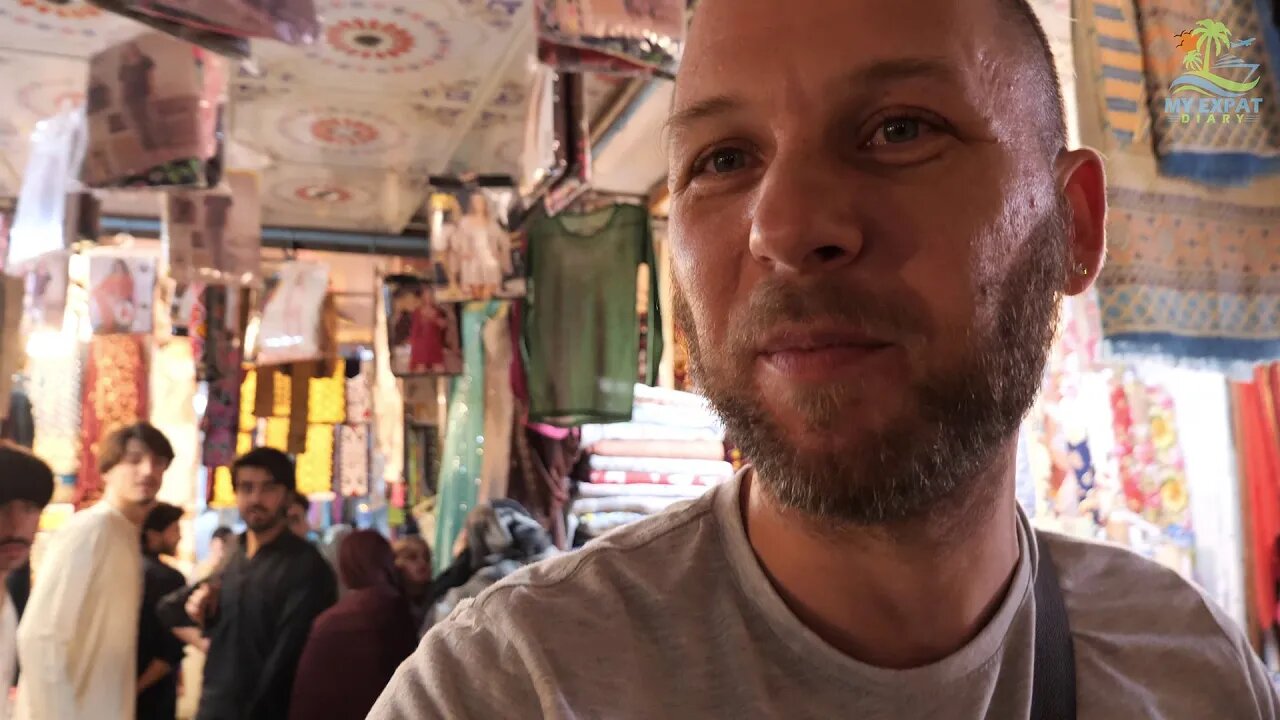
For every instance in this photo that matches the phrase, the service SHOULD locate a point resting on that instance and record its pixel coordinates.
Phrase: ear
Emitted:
(1083, 182)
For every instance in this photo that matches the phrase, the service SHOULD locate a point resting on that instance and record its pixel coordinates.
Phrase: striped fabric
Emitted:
(1123, 80)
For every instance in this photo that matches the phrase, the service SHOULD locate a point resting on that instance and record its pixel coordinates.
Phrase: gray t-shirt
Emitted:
(674, 618)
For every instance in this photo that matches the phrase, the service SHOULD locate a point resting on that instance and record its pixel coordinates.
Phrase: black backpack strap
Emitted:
(1053, 690)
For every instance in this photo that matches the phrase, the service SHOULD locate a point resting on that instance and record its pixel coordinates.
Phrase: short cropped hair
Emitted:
(24, 476)
(1023, 19)
(222, 533)
(161, 517)
(111, 452)
(276, 463)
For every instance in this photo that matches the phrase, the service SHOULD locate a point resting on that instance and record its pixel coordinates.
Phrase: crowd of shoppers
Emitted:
(261, 611)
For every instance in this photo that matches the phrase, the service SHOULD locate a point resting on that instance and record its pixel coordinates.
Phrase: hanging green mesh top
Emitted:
(581, 329)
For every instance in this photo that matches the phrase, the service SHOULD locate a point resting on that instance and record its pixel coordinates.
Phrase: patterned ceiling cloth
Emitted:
(115, 395)
(1221, 146)
(1193, 271)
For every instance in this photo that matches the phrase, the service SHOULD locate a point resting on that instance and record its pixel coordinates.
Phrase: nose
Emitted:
(803, 220)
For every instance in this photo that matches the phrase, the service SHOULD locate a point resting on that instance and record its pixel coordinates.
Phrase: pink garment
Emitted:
(615, 477)
(679, 449)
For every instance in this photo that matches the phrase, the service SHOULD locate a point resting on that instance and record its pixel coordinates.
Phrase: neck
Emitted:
(135, 512)
(256, 539)
(894, 597)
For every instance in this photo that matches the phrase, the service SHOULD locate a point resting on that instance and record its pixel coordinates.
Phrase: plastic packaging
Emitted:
(546, 149)
(290, 21)
(291, 328)
(612, 36)
(40, 225)
(577, 177)
(423, 336)
(473, 254)
(154, 115)
(121, 293)
(215, 236)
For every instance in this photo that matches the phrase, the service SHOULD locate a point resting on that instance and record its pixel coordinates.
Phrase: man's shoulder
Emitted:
(160, 575)
(637, 565)
(1097, 575)
(1138, 624)
(85, 526)
(1117, 598)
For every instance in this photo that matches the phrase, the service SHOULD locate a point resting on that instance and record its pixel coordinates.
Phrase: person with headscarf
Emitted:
(355, 646)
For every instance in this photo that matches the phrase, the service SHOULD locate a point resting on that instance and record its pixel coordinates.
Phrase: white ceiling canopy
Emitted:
(345, 132)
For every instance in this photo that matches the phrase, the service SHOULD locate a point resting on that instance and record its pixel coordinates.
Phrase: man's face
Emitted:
(166, 542)
(298, 523)
(18, 522)
(137, 477)
(867, 242)
(261, 500)
(413, 563)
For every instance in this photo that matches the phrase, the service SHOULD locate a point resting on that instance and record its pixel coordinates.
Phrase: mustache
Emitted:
(23, 542)
(778, 300)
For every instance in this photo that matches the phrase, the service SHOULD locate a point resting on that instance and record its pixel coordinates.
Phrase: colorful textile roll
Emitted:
(618, 477)
(222, 412)
(588, 490)
(675, 449)
(115, 395)
(643, 505)
(662, 465)
(593, 434)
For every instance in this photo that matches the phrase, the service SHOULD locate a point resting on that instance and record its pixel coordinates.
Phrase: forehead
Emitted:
(752, 48)
(254, 475)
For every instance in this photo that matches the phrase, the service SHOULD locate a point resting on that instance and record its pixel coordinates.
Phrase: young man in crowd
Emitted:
(258, 610)
(299, 523)
(160, 651)
(26, 486)
(78, 641)
(872, 226)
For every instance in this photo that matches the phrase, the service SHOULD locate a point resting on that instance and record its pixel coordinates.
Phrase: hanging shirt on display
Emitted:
(582, 332)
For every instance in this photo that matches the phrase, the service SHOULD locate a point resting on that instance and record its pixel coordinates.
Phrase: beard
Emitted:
(263, 519)
(955, 420)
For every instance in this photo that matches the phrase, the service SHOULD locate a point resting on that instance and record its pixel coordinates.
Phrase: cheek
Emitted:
(710, 259)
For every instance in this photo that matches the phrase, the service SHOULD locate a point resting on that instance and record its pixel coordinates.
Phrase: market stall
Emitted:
(420, 247)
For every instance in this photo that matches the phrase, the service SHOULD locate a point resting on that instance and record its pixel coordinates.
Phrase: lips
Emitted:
(802, 339)
(818, 354)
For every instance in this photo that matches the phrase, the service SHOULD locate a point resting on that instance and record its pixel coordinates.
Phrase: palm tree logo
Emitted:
(1210, 62)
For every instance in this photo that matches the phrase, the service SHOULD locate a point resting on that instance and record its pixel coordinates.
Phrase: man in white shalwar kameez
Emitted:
(78, 639)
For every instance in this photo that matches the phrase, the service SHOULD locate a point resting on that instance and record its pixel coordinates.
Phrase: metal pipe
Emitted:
(290, 238)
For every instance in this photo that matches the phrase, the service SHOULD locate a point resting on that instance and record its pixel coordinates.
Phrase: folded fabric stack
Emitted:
(672, 451)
